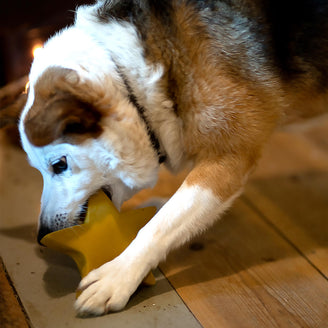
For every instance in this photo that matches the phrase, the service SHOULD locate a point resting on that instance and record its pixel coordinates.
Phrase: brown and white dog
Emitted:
(133, 84)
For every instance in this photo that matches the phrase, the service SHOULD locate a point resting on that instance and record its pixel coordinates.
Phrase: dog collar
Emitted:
(141, 111)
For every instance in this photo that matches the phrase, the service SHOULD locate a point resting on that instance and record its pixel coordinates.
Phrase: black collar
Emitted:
(141, 111)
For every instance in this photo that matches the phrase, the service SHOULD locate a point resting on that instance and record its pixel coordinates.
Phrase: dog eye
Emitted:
(60, 166)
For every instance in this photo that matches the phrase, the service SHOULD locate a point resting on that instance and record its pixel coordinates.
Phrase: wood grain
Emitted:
(246, 275)
(11, 314)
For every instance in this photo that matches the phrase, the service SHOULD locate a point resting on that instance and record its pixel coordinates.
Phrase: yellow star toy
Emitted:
(104, 235)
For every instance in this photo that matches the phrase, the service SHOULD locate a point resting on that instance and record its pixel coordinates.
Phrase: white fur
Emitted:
(65, 193)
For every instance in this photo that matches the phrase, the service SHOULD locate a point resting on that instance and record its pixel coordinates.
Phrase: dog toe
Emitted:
(94, 303)
(91, 302)
(90, 279)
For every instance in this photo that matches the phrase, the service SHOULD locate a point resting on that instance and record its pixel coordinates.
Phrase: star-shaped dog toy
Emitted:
(103, 236)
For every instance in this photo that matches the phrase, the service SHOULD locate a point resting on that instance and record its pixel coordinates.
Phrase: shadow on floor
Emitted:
(25, 232)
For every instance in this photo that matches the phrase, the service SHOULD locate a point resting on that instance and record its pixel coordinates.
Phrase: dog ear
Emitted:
(57, 113)
(68, 118)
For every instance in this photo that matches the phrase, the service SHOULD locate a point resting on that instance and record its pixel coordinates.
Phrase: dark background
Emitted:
(26, 23)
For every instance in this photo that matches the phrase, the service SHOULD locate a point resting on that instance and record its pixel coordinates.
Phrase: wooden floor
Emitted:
(265, 263)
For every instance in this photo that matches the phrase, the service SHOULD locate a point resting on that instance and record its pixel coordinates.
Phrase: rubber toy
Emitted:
(103, 236)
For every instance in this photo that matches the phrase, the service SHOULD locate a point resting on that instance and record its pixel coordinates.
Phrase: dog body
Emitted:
(191, 83)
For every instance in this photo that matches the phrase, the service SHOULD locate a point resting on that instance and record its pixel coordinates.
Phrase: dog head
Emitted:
(82, 134)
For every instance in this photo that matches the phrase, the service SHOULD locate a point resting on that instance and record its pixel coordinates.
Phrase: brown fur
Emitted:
(226, 118)
(61, 110)
(228, 114)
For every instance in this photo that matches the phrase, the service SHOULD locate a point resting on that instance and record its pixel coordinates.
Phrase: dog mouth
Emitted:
(83, 213)
(107, 191)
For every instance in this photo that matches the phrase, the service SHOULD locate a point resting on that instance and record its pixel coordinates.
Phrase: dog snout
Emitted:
(43, 230)
(51, 223)
(45, 226)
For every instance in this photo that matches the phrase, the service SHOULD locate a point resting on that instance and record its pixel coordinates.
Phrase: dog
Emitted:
(134, 84)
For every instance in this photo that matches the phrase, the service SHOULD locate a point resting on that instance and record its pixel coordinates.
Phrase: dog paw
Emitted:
(106, 289)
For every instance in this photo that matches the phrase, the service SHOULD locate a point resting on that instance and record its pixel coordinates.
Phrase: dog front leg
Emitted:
(208, 191)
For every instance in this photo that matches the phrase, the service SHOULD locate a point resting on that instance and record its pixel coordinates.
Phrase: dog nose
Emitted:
(43, 230)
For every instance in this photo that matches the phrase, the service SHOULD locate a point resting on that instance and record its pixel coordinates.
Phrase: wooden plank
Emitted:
(11, 314)
(245, 275)
(298, 206)
(291, 154)
(315, 131)
(290, 188)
